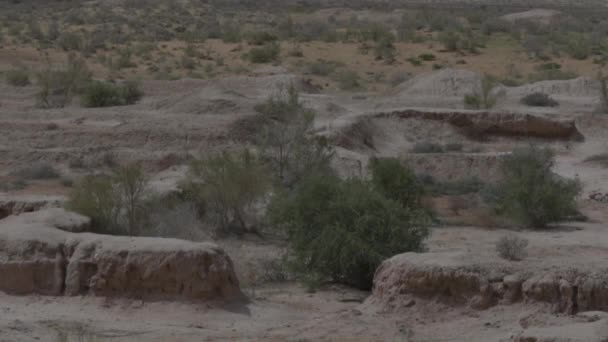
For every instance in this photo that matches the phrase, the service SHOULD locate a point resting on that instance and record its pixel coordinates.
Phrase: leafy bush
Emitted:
(348, 80)
(538, 99)
(396, 181)
(511, 247)
(427, 147)
(17, 78)
(101, 94)
(427, 57)
(472, 101)
(414, 61)
(530, 193)
(551, 72)
(341, 230)
(264, 54)
(104, 94)
(225, 186)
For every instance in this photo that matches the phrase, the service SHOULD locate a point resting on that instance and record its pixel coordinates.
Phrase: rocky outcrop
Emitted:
(484, 284)
(38, 258)
(478, 125)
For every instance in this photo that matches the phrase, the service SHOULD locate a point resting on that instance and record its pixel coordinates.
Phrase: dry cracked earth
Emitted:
(153, 289)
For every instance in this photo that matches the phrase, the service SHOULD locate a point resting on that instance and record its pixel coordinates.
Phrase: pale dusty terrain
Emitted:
(195, 116)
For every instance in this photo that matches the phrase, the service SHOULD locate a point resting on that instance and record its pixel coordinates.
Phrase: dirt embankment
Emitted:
(484, 284)
(37, 257)
(478, 125)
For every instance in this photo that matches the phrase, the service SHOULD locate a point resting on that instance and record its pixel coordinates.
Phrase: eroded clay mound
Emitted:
(15, 205)
(445, 82)
(480, 124)
(482, 284)
(451, 167)
(226, 95)
(38, 258)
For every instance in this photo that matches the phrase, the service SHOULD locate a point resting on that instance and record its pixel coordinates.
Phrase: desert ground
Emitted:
(62, 278)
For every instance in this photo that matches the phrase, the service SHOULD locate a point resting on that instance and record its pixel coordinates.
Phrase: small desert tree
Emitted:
(341, 230)
(286, 138)
(482, 96)
(130, 182)
(57, 86)
(116, 203)
(603, 108)
(531, 193)
(225, 186)
(94, 197)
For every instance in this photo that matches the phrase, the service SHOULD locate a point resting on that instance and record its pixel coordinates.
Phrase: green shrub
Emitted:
(579, 47)
(538, 99)
(414, 61)
(511, 247)
(530, 193)
(472, 101)
(427, 57)
(264, 54)
(225, 186)
(551, 72)
(101, 94)
(17, 78)
(348, 80)
(104, 94)
(341, 230)
(396, 182)
(427, 147)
